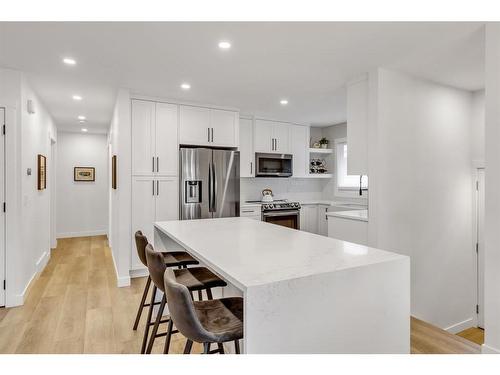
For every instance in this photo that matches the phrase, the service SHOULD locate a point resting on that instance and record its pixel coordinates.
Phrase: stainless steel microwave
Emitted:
(273, 165)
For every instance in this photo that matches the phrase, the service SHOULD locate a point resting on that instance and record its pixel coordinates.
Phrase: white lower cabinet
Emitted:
(251, 212)
(153, 199)
(348, 230)
(309, 218)
(322, 220)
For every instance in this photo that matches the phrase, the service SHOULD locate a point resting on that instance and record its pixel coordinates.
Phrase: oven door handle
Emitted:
(282, 213)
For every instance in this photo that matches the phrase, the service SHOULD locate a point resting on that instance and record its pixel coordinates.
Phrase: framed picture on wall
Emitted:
(85, 174)
(113, 171)
(42, 172)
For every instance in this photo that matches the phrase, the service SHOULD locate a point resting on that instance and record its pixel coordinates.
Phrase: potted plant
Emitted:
(323, 142)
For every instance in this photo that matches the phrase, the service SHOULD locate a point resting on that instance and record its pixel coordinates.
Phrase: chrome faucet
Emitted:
(361, 189)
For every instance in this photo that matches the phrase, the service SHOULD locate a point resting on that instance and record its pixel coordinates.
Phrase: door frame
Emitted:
(3, 252)
(479, 167)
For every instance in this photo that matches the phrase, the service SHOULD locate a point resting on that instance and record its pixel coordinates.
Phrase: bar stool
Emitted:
(213, 321)
(193, 279)
(179, 259)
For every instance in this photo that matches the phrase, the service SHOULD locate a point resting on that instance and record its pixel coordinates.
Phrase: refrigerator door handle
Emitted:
(214, 190)
(209, 187)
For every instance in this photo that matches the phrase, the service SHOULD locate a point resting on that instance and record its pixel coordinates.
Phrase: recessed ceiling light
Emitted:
(224, 44)
(77, 97)
(82, 121)
(69, 61)
(283, 102)
(84, 130)
(185, 86)
(81, 117)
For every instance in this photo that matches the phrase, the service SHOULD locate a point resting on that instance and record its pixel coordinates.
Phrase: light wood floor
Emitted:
(473, 334)
(74, 306)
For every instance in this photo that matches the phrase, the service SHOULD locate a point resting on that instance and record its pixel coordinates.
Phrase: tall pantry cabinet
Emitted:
(154, 167)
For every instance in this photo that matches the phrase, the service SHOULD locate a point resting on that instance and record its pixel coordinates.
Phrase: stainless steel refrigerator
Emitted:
(209, 183)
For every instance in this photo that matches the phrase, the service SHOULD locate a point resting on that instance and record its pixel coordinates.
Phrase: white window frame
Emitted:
(341, 169)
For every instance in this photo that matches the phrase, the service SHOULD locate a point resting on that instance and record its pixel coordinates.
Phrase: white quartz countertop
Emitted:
(361, 215)
(249, 252)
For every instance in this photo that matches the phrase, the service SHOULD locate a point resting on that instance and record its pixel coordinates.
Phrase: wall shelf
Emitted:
(320, 150)
(320, 175)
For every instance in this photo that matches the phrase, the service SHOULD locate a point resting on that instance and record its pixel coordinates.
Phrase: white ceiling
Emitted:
(307, 63)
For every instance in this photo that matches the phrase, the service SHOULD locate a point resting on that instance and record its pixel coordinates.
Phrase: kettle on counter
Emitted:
(267, 195)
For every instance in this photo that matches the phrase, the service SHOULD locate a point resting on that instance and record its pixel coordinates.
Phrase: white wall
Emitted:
(28, 209)
(492, 193)
(299, 189)
(82, 207)
(121, 198)
(478, 125)
(420, 191)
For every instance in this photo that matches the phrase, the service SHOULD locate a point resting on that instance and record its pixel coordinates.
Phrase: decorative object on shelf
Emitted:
(318, 166)
(85, 174)
(316, 145)
(42, 172)
(267, 195)
(324, 142)
(113, 172)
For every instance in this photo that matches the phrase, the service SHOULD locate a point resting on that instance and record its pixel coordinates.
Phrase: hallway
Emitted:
(74, 306)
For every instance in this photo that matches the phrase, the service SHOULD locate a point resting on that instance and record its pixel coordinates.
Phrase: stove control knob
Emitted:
(271, 206)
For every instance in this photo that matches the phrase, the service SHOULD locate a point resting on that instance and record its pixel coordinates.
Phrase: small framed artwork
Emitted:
(42, 172)
(113, 171)
(85, 174)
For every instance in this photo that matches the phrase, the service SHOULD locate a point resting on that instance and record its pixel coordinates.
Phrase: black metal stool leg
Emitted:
(169, 335)
(141, 306)
(146, 328)
(157, 324)
(237, 346)
(200, 295)
(187, 348)
(206, 347)
(221, 348)
(209, 293)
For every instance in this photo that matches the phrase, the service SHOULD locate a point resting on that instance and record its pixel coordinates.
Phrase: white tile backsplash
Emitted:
(283, 188)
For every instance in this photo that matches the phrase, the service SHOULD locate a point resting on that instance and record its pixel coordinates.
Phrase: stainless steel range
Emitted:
(286, 214)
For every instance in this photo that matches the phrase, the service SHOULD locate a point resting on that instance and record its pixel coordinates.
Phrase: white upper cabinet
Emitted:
(299, 141)
(263, 136)
(166, 143)
(272, 137)
(224, 126)
(154, 138)
(143, 124)
(208, 127)
(194, 125)
(246, 148)
(281, 138)
(357, 127)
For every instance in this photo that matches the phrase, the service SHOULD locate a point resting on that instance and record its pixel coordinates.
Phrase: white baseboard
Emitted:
(139, 272)
(485, 349)
(455, 328)
(42, 262)
(121, 281)
(18, 299)
(98, 232)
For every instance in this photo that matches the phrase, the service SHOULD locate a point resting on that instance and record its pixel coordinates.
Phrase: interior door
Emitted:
(143, 212)
(167, 199)
(226, 172)
(2, 214)
(223, 124)
(143, 117)
(166, 149)
(480, 247)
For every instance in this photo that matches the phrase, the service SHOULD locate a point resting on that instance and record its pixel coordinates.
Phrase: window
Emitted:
(345, 181)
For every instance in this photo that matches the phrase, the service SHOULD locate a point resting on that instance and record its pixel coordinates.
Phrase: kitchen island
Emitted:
(303, 293)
